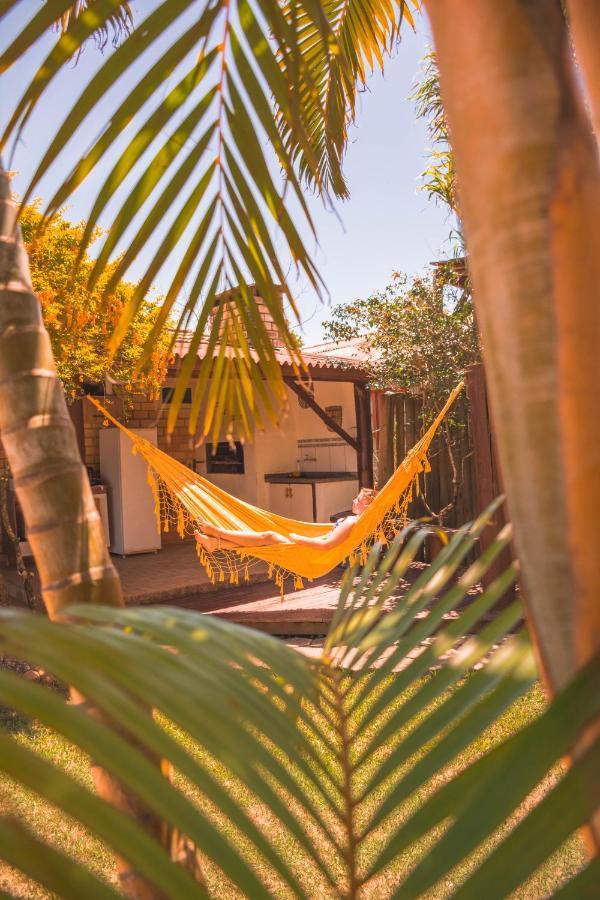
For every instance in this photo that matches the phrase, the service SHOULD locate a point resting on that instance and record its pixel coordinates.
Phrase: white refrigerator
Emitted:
(133, 526)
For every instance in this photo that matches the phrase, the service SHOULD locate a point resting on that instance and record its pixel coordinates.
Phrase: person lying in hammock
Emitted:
(212, 538)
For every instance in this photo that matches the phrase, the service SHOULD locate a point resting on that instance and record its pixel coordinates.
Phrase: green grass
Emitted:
(74, 840)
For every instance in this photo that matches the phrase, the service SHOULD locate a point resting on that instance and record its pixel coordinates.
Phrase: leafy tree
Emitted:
(422, 336)
(80, 321)
(439, 178)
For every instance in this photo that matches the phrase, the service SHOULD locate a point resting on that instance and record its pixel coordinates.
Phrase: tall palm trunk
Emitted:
(63, 526)
(529, 189)
(584, 22)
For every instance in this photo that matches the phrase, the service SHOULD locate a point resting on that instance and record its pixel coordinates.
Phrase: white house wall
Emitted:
(278, 451)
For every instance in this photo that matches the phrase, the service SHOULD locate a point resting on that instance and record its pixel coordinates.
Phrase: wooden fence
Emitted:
(472, 479)
(488, 477)
(399, 425)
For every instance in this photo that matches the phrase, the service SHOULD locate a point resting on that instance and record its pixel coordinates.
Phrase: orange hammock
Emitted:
(184, 500)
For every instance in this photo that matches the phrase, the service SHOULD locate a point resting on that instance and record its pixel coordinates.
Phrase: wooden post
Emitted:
(385, 442)
(76, 413)
(362, 400)
(399, 429)
(488, 478)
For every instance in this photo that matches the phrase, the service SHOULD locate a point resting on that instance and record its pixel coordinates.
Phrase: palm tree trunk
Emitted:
(529, 183)
(584, 22)
(529, 187)
(63, 526)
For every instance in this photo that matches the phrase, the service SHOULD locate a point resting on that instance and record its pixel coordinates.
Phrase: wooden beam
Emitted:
(320, 373)
(310, 401)
(362, 401)
(316, 373)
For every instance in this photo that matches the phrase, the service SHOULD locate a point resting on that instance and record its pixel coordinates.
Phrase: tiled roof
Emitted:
(349, 355)
(355, 352)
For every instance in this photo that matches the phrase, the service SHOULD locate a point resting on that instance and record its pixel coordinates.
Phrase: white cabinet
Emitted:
(313, 500)
(133, 526)
(292, 500)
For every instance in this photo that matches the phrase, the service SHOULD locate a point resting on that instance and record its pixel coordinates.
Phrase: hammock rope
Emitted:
(183, 500)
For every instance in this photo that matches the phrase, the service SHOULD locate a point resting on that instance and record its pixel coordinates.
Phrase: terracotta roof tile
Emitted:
(350, 355)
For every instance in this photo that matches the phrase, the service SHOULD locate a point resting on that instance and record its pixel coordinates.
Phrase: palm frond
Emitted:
(439, 178)
(92, 21)
(364, 33)
(354, 758)
(44, 864)
(197, 176)
(46, 17)
(119, 24)
(196, 182)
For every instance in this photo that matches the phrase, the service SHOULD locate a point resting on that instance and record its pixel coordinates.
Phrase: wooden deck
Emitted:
(173, 576)
(305, 612)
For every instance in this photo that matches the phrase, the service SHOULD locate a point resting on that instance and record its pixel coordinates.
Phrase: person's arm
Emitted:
(335, 537)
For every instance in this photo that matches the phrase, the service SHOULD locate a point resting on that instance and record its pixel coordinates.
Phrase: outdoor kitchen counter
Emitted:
(311, 496)
(309, 477)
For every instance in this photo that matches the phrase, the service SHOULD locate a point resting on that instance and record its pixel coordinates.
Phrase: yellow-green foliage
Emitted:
(79, 321)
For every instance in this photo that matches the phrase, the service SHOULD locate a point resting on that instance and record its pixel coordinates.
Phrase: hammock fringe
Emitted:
(184, 501)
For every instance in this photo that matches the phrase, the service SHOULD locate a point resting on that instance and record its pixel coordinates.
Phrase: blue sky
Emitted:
(386, 225)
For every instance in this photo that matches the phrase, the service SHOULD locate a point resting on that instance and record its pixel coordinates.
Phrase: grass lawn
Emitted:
(73, 839)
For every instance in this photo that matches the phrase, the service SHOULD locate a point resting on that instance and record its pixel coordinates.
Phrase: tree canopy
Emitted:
(79, 320)
(422, 335)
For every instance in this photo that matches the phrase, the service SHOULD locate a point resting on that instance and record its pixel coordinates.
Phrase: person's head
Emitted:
(364, 497)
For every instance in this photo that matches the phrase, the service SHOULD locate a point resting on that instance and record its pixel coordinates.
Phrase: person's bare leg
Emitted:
(213, 544)
(212, 530)
(221, 539)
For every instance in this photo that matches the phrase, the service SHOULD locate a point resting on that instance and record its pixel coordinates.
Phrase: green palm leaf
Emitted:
(120, 23)
(364, 31)
(48, 15)
(195, 182)
(116, 829)
(43, 864)
(584, 886)
(354, 756)
(268, 81)
(91, 21)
